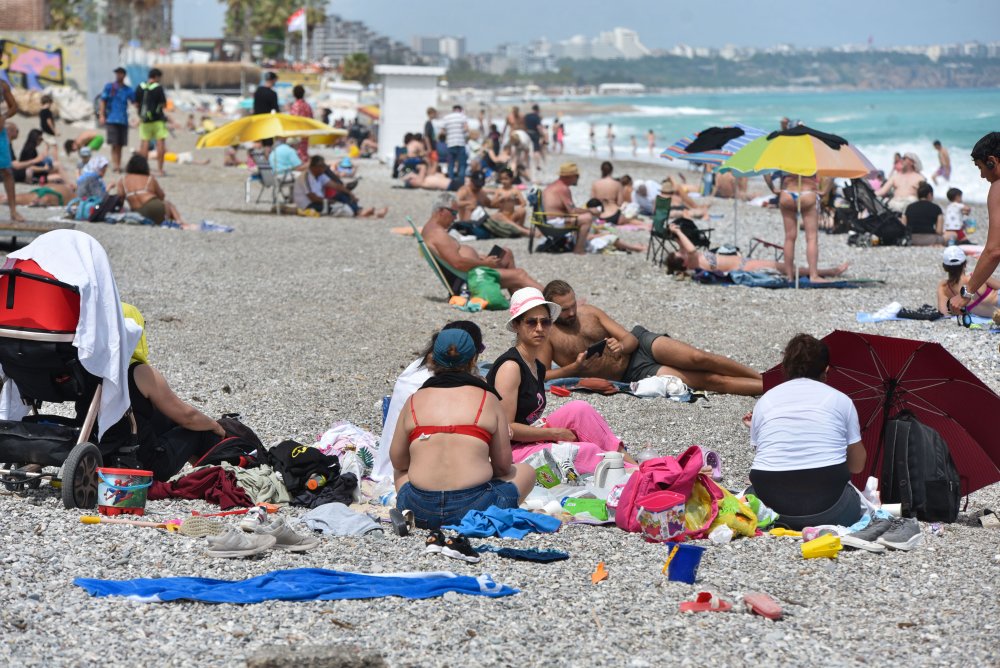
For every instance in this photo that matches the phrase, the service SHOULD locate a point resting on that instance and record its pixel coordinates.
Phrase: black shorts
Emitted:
(117, 134)
(536, 139)
(642, 364)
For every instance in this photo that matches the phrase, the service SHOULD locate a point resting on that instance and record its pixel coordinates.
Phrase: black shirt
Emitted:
(47, 121)
(531, 391)
(921, 217)
(532, 121)
(265, 100)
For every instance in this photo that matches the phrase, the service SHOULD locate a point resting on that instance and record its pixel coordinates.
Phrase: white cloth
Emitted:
(455, 128)
(307, 183)
(408, 382)
(647, 203)
(953, 218)
(104, 338)
(660, 386)
(802, 424)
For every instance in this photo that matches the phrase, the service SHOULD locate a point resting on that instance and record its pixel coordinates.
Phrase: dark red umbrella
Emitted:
(884, 375)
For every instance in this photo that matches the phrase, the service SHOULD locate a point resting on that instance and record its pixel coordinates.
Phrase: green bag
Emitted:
(484, 282)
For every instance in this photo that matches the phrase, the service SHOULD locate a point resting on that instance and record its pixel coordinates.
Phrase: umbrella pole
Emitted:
(798, 206)
(736, 218)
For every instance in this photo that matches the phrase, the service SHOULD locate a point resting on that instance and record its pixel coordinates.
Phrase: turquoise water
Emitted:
(878, 122)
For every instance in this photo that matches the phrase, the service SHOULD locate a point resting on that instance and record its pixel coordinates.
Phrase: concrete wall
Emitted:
(406, 94)
(86, 59)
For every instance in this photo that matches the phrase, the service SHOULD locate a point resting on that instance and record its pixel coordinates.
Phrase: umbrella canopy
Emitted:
(884, 375)
(712, 146)
(268, 126)
(800, 150)
(371, 111)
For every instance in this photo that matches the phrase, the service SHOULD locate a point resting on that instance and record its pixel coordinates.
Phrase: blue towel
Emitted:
(297, 584)
(871, 317)
(530, 554)
(504, 522)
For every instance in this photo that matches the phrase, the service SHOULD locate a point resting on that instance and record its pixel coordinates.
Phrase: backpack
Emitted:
(110, 204)
(149, 111)
(695, 234)
(663, 473)
(82, 209)
(890, 230)
(296, 463)
(918, 471)
(241, 446)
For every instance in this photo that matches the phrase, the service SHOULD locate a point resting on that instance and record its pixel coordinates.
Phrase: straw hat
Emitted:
(526, 299)
(917, 165)
(569, 169)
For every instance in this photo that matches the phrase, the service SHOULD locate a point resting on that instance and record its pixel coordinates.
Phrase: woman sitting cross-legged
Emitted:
(808, 443)
(451, 449)
(519, 377)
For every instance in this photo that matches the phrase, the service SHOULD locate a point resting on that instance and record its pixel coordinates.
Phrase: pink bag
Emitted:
(664, 473)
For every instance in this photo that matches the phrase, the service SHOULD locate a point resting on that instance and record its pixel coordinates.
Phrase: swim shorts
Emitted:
(642, 364)
(432, 510)
(5, 157)
(153, 130)
(96, 143)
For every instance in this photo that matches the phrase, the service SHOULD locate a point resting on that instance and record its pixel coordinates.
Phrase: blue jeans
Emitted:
(432, 510)
(456, 162)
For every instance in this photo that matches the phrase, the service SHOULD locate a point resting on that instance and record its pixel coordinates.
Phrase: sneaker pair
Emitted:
(456, 547)
(898, 533)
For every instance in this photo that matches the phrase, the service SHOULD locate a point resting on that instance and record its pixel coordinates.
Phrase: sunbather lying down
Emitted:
(51, 194)
(691, 259)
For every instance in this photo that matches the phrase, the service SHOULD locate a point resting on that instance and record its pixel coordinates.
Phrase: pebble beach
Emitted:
(296, 323)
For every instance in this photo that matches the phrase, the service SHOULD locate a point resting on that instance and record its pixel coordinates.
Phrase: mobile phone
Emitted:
(596, 349)
(496, 251)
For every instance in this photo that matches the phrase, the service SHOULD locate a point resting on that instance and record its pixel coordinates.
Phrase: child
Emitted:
(954, 218)
(46, 120)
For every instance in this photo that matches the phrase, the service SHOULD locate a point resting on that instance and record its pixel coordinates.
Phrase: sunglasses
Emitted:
(964, 319)
(453, 212)
(535, 322)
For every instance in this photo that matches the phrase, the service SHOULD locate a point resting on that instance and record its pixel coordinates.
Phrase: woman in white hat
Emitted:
(519, 378)
(984, 303)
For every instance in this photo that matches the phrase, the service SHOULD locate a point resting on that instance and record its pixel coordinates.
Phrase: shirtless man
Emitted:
(464, 258)
(611, 193)
(557, 202)
(7, 150)
(944, 163)
(471, 195)
(509, 202)
(424, 181)
(632, 356)
(903, 184)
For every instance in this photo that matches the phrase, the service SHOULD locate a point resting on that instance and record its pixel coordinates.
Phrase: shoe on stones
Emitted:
(286, 538)
(870, 533)
(435, 542)
(254, 517)
(861, 544)
(459, 548)
(903, 535)
(233, 544)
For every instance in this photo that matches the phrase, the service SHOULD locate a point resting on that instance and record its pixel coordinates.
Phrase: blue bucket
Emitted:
(682, 564)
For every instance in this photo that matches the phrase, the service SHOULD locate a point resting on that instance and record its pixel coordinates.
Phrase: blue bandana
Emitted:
(464, 348)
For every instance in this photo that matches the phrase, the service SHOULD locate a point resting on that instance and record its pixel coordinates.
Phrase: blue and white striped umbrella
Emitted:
(716, 157)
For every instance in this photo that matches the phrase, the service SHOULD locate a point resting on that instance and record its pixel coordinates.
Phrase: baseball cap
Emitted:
(953, 256)
(120, 69)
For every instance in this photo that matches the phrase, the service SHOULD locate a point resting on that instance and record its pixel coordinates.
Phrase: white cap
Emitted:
(953, 256)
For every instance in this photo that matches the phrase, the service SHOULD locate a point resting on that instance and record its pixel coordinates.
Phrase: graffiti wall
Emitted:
(29, 67)
(81, 60)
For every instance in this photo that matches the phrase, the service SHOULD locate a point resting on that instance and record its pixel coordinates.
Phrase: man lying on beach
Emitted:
(425, 180)
(464, 258)
(632, 356)
(903, 184)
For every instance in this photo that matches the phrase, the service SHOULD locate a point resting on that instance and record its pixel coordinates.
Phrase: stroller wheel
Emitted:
(17, 482)
(79, 476)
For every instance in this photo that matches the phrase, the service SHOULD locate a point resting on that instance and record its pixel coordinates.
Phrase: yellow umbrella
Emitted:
(268, 126)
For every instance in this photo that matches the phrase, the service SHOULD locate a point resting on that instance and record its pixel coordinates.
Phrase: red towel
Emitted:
(212, 483)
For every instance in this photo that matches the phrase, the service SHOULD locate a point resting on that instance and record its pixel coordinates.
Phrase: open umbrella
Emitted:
(713, 146)
(268, 126)
(884, 375)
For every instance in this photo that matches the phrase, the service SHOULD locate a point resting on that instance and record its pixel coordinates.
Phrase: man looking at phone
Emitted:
(586, 342)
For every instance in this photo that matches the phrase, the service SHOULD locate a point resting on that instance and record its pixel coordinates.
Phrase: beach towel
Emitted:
(104, 338)
(505, 523)
(297, 584)
(865, 317)
(766, 279)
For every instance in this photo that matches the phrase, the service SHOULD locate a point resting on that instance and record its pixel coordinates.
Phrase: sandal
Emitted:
(761, 604)
(706, 601)
(234, 543)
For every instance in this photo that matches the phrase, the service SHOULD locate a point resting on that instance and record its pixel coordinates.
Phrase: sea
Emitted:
(879, 122)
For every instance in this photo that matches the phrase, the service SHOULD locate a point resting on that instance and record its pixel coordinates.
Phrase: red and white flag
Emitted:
(297, 21)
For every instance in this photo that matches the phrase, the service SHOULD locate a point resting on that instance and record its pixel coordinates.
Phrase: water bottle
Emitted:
(970, 225)
(465, 291)
(646, 453)
(388, 499)
(315, 482)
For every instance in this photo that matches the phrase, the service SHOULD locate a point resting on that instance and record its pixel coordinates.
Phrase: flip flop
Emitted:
(403, 522)
(747, 418)
(761, 604)
(234, 544)
(706, 601)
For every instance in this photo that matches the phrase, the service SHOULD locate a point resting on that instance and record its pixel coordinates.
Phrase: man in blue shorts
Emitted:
(6, 154)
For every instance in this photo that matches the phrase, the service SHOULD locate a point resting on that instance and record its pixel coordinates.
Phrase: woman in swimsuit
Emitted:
(144, 194)
(509, 201)
(689, 259)
(519, 377)
(53, 194)
(450, 451)
(799, 196)
(984, 304)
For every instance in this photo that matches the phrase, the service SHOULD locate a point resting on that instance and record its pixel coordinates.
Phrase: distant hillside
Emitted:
(857, 70)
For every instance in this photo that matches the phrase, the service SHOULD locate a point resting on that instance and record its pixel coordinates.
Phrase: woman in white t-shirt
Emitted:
(808, 443)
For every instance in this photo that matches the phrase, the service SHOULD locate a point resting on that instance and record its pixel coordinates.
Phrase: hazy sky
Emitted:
(660, 23)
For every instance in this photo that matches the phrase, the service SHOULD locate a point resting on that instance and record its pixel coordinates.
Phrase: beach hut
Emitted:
(407, 91)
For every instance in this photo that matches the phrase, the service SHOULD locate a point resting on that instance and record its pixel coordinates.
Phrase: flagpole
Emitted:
(305, 41)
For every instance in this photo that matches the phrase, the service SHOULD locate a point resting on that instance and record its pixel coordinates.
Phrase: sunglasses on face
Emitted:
(453, 212)
(535, 322)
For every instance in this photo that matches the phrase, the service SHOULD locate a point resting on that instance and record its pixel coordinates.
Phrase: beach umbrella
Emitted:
(713, 146)
(269, 126)
(884, 375)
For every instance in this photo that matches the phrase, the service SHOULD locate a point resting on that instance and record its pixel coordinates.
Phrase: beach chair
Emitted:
(558, 238)
(279, 187)
(777, 249)
(659, 235)
(450, 277)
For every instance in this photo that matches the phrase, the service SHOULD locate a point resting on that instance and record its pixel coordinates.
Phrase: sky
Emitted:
(660, 23)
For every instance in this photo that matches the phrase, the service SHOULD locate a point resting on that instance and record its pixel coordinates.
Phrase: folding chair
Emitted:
(280, 187)
(659, 235)
(441, 269)
(777, 249)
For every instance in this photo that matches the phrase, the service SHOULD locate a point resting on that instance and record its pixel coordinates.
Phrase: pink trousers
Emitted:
(594, 436)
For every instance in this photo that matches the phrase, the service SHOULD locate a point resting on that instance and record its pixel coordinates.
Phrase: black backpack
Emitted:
(918, 471)
(241, 446)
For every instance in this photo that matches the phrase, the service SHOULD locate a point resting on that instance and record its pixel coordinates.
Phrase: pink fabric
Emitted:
(594, 434)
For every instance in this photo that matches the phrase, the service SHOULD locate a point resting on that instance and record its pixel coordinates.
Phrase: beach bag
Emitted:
(702, 508)
(82, 209)
(918, 471)
(654, 475)
(890, 230)
(484, 282)
(735, 514)
(110, 204)
(241, 446)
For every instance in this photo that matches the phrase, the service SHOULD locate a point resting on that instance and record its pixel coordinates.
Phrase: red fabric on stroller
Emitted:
(30, 304)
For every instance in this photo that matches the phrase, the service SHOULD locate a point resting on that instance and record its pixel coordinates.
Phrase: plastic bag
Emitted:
(484, 282)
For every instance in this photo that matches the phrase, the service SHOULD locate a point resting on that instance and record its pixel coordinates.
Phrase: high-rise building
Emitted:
(23, 14)
(336, 38)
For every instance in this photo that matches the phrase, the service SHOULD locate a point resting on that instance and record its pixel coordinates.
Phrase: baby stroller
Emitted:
(38, 320)
(869, 217)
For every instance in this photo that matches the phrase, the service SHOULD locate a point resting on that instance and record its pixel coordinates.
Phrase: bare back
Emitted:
(610, 192)
(557, 198)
